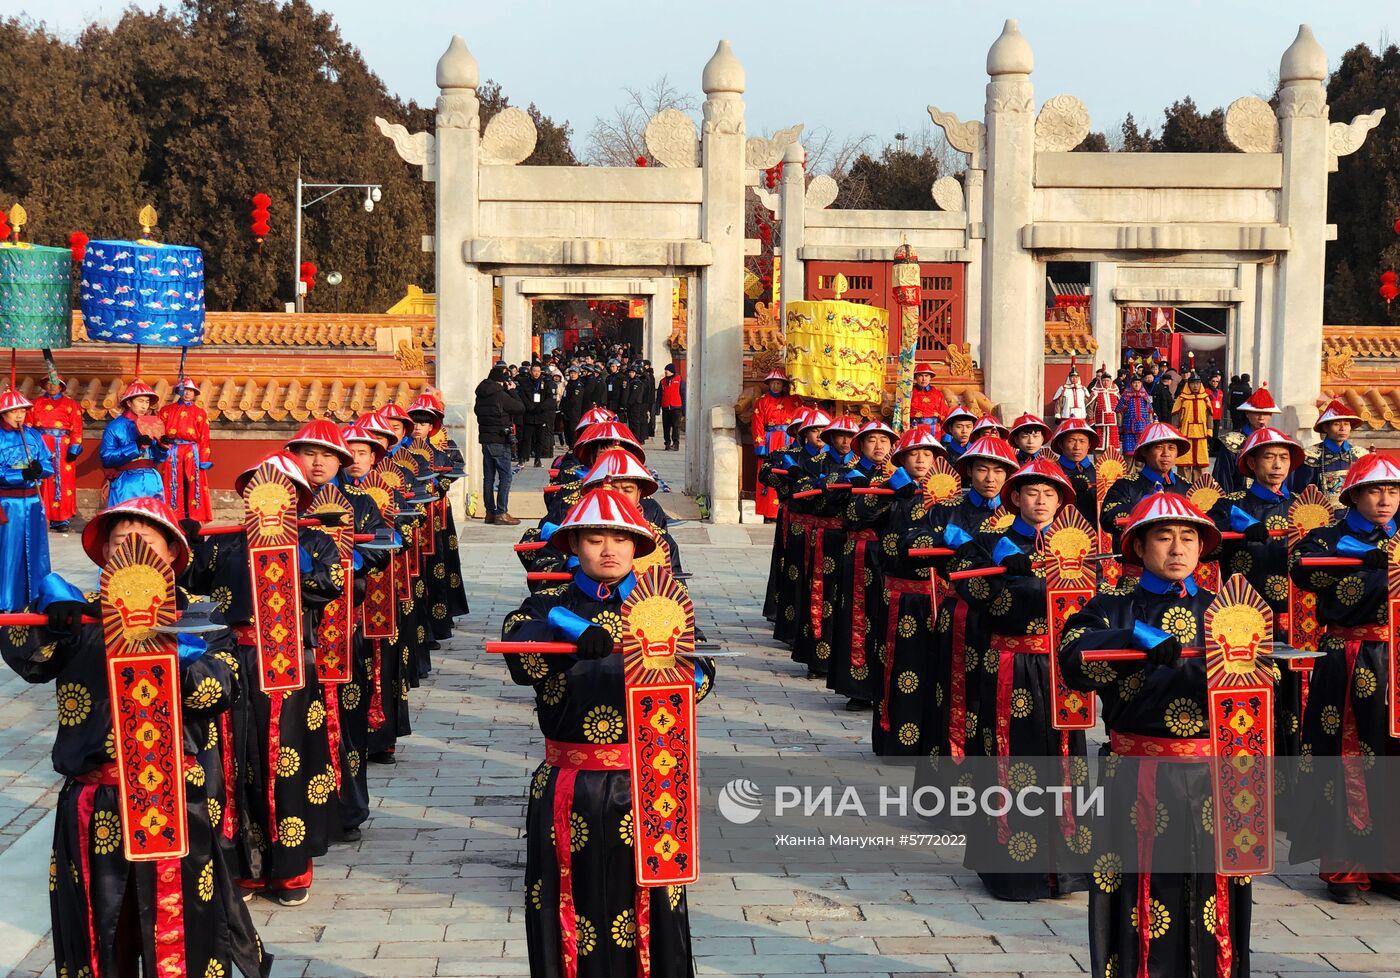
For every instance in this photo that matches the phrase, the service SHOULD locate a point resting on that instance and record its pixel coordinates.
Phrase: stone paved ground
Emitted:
(435, 887)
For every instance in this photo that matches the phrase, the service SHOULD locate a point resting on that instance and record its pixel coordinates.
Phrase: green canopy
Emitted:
(35, 297)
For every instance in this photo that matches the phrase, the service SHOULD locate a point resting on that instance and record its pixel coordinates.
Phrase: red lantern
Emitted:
(641, 161)
(77, 243)
(1389, 276)
(308, 274)
(260, 226)
(1389, 291)
(1397, 227)
(4, 228)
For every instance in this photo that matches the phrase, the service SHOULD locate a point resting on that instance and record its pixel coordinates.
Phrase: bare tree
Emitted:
(619, 139)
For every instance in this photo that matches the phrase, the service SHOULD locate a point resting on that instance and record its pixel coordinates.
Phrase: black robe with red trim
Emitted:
(583, 702)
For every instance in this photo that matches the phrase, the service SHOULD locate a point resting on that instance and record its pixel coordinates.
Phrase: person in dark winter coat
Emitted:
(638, 393)
(537, 394)
(571, 406)
(497, 409)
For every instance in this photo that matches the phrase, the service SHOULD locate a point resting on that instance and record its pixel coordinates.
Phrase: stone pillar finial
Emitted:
(723, 72)
(1304, 60)
(457, 68)
(1011, 53)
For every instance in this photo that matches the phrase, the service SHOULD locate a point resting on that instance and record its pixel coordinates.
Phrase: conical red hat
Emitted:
(799, 417)
(776, 375)
(1042, 470)
(594, 416)
(1369, 470)
(843, 424)
(359, 433)
(376, 425)
(604, 509)
(919, 436)
(186, 384)
(990, 448)
(614, 464)
(426, 404)
(1159, 431)
(13, 400)
(147, 508)
(392, 412)
(136, 389)
(284, 462)
(607, 431)
(816, 418)
(1336, 411)
(324, 434)
(990, 425)
(1166, 507)
(1029, 421)
(1261, 401)
(1269, 436)
(1075, 426)
(876, 427)
(958, 413)
(923, 368)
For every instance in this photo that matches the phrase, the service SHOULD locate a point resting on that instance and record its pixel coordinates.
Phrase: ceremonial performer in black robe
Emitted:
(1156, 454)
(112, 916)
(1156, 924)
(585, 917)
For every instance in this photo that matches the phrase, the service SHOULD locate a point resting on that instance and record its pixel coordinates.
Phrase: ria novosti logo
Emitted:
(740, 801)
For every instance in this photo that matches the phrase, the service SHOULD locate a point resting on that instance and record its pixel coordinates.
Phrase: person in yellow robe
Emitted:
(1193, 420)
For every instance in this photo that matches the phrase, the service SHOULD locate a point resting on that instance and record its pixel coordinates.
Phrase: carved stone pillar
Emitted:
(712, 454)
(1294, 369)
(792, 218)
(1013, 321)
(516, 313)
(1103, 315)
(463, 293)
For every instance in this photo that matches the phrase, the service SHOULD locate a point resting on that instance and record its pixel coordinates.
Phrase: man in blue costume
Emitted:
(24, 543)
(130, 455)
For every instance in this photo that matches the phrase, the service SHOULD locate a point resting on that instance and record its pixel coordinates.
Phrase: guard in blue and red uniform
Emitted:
(927, 405)
(1156, 452)
(130, 455)
(957, 432)
(1145, 922)
(773, 411)
(24, 540)
(1347, 808)
(1028, 435)
(1074, 443)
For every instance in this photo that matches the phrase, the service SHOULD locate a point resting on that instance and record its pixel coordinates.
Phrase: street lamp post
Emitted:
(373, 193)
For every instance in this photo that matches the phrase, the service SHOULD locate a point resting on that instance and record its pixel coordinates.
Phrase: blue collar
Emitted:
(1246, 429)
(769, 393)
(1152, 475)
(1360, 524)
(864, 465)
(1085, 464)
(602, 592)
(1268, 495)
(980, 501)
(1152, 583)
(1333, 448)
(1025, 529)
(813, 450)
(844, 459)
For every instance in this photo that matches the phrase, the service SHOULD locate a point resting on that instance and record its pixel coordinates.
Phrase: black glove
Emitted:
(907, 491)
(1375, 560)
(1256, 533)
(144, 441)
(1018, 565)
(969, 553)
(1165, 652)
(329, 519)
(596, 642)
(191, 528)
(167, 440)
(65, 617)
(32, 470)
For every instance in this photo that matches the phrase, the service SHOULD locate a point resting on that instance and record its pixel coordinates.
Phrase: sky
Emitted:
(853, 68)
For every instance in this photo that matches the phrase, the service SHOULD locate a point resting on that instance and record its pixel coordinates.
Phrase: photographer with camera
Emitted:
(497, 408)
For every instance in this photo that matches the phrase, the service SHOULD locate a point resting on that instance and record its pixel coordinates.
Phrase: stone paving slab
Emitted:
(435, 887)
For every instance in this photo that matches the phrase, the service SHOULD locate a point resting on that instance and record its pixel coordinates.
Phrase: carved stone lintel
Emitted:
(1009, 97)
(948, 194)
(770, 199)
(418, 148)
(1302, 101)
(760, 153)
(509, 137)
(1345, 138)
(1062, 124)
(458, 110)
(966, 137)
(821, 193)
(1251, 126)
(671, 139)
(723, 116)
